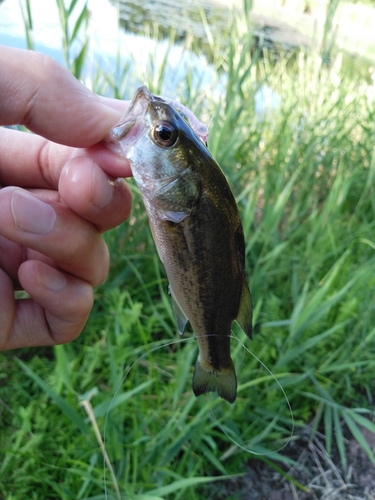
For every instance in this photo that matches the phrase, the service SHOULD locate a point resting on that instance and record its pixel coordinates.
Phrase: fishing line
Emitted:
(237, 443)
(234, 441)
(144, 355)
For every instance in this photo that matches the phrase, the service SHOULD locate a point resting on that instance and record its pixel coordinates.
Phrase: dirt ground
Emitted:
(323, 477)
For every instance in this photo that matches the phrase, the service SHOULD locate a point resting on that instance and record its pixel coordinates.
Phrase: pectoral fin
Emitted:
(172, 216)
(245, 312)
(179, 314)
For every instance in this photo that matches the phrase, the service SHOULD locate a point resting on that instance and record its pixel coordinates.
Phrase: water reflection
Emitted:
(189, 19)
(169, 39)
(185, 18)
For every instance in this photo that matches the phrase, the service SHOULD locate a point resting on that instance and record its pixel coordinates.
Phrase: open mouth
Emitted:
(131, 126)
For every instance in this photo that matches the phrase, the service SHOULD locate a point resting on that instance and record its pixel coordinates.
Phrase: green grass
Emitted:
(303, 178)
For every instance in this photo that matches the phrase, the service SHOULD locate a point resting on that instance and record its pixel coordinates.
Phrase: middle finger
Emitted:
(53, 229)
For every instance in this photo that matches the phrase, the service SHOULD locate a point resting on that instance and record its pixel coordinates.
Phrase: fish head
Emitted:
(158, 140)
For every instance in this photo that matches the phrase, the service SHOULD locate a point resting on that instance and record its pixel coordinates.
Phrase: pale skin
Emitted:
(58, 194)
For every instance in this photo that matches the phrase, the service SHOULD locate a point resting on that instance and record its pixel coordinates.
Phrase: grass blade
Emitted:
(182, 484)
(64, 406)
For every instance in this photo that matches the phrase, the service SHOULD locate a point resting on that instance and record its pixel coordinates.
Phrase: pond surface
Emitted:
(136, 18)
(185, 17)
(140, 23)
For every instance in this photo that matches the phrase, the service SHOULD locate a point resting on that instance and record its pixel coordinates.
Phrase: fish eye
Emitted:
(165, 134)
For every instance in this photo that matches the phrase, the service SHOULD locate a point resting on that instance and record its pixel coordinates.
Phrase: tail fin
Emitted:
(222, 381)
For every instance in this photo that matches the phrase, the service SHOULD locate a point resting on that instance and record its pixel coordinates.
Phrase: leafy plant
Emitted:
(113, 415)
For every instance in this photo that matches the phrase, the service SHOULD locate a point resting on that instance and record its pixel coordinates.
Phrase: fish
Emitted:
(196, 227)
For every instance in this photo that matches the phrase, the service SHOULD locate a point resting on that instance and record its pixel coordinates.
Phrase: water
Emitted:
(107, 41)
(183, 17)
(113, 49)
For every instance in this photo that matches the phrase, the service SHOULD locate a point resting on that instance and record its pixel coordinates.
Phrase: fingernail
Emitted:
(101, 188)
(31, 214)
(50, 278)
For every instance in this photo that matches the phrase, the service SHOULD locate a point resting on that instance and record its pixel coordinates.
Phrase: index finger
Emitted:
(39, 93)
(30, 161)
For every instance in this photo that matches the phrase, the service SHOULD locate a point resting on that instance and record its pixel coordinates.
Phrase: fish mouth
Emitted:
(137, 109)
(131, 125)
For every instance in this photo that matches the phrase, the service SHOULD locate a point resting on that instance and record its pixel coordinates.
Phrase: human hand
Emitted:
(56, 199)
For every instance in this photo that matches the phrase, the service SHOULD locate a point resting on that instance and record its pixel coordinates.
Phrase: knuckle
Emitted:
(102, 266)
(89, 257)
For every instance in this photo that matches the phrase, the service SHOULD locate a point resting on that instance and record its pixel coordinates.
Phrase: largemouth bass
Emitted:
(196, 228)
